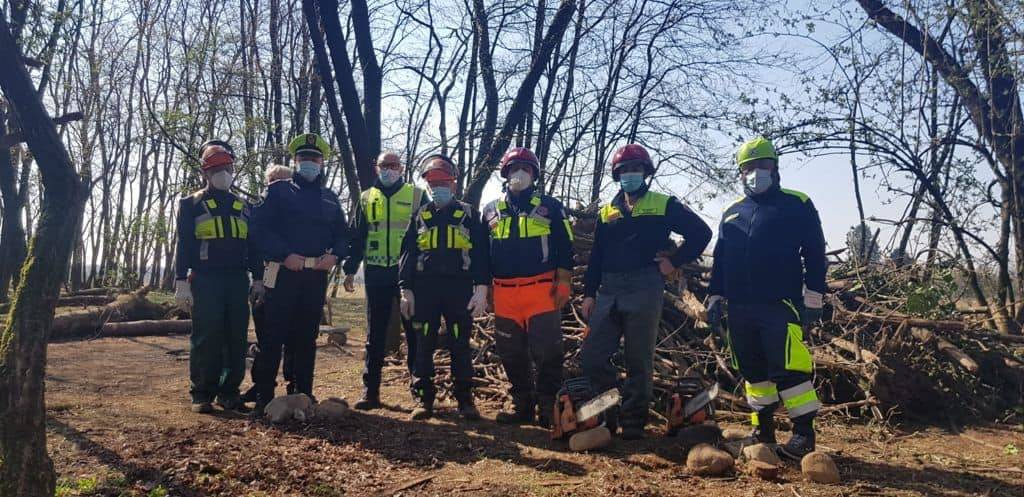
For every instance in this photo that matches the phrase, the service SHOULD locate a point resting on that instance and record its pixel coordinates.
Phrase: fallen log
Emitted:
(147, 328)
(128, 307)
(928, 338)
(72, 301)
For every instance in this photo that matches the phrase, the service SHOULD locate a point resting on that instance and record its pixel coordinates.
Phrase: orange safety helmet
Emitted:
(631, 154)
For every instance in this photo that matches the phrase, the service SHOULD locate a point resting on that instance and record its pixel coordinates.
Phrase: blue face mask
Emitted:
(631, 182)
(441, 195)
(388, 177)
(309, 170)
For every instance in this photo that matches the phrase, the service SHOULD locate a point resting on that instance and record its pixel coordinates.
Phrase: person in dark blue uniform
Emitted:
(443, 272)
(531, 263)
(624, 282)
(301, 232)
(770, 267)
(213, 254)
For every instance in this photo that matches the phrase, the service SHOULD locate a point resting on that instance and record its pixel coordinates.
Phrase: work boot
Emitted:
(424, 410)
(802, 441)
(230, 403)
(202, 407)
(467, 409)
(521, 414)
(632, 432)
(764, 432)
(369, 401)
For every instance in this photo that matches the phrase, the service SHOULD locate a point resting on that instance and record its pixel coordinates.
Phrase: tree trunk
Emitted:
(25, 467)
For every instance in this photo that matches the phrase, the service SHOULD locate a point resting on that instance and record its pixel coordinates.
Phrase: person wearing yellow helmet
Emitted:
(301, 233)
(769, 265)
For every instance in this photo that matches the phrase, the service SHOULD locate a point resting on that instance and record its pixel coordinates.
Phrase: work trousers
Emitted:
(220, 321)
(259, 322)
(380, 304)
(294, 307)
(435, 298)
(628, 309)
(528, 336)
(767, 346)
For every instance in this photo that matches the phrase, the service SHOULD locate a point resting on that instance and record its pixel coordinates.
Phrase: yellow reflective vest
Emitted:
(387, 219)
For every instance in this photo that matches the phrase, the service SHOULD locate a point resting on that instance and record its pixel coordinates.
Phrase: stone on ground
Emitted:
(819, 468)
(735, 433)
(761, 452)
(286, 408)
(592, 439)
(705, 460)
(762, 469)
(331, 409)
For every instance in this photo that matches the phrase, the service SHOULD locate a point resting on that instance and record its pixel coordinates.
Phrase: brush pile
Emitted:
(892, 345)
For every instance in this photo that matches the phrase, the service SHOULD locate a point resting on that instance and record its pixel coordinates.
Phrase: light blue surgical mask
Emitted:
(441, 195)
(631, 182)
(309, 170)
(389, 177)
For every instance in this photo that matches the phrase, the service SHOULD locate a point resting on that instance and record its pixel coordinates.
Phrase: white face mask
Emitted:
(222, 180)
(757, 181)
(519, 180)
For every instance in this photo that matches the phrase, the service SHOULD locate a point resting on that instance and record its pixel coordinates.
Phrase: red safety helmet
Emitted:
(438, 167)
(215, 153)
(520, 155)
(631, 154)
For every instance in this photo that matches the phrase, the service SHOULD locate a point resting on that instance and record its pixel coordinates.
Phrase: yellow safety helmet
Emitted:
(311, 142)
(758, 148)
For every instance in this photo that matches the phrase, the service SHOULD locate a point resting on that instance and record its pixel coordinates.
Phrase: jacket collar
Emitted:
(389, 190)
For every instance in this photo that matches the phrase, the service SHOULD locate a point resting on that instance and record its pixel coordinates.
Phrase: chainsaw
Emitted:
(579, 414)
(689, 404)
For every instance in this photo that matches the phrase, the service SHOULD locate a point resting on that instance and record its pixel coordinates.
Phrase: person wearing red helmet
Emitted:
(531, 265)
(624, 282)
(443, 273)
(213, 257)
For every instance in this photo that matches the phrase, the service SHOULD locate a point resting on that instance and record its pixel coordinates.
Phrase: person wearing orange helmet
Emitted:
(624, 282)
(213, 255)
(531, 265)
(443, 273)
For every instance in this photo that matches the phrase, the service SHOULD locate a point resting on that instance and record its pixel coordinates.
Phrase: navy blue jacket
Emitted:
(444, 263)
(516, 257)
(228, 253)
(299, 217)
(629, 244)
(769, 247)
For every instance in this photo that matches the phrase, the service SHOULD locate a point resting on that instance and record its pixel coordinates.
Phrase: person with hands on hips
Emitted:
(770, 267)
(301, 233)
(385, 213)
(443, 272)
(213, 255)
(624, 282)
(531, 265)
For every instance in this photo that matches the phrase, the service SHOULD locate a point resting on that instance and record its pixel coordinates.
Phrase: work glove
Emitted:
(183, 295)
(716, 311)
(257, 292)
(407, 305)
(561, 290)
(478, 303)
(349, 283)
(812, 309)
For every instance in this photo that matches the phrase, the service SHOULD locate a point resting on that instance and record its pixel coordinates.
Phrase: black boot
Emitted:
(424, 408)
(369, 401)
(545, 409)
(249, 395)
(522, 413)
(764, 431)
(802, 441)
(467, 408)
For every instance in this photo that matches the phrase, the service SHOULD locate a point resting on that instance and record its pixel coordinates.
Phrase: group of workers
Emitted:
(443, 264)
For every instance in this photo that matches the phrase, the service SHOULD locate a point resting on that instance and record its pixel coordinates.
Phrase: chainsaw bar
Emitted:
(599, 404)
(700, 401)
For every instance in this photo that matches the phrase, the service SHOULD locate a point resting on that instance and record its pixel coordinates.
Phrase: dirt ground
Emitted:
(119, 425)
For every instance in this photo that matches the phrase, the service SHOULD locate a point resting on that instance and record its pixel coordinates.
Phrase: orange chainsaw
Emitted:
(579, 414)
(689, 404)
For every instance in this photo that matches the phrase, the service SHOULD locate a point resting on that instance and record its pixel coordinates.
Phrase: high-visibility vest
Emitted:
(531, 224)
(387, 219)
(651, 204)
(214, 224)
(457, 236)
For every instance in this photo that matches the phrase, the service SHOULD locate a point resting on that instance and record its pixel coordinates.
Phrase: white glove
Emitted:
(812, 299)
(183, 295)
(407, 305)
(257, 291)
(478, 303)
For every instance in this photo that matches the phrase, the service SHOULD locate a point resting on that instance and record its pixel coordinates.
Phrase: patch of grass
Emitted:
(158, 491)
(322, 490)
(160, 297)
(82, 486)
